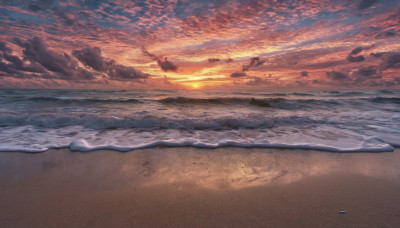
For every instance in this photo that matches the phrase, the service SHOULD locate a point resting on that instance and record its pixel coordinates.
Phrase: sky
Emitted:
(200, 44)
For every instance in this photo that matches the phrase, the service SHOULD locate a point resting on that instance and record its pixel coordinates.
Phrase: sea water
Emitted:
(85, 120)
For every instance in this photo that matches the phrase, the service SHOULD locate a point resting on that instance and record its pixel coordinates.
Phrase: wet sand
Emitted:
(190, 187)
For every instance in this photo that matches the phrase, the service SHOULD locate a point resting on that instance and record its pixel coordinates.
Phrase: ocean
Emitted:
(85, 120)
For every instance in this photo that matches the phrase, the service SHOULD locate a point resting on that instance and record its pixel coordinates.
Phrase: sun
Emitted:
(194, 85)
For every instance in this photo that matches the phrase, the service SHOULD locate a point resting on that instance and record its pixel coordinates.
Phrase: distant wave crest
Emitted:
(149, 121)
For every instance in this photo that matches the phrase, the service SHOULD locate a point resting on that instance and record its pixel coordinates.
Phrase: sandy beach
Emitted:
(189, 187)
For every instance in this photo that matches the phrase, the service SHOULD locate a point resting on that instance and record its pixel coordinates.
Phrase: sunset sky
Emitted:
(200, 44)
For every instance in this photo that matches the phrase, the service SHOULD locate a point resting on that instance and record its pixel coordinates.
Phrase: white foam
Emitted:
(81, 139)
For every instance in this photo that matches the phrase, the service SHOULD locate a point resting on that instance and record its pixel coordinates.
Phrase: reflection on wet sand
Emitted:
(209, 168)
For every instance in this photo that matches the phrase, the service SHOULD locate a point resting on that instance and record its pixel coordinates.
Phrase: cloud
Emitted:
(62, 17)
(117, 71)
(378, 54)
(390, 32)
(44, 60)
(92, 57)
(256, 81)
(356, 51)
(151, 55)
(40, 5)
(267, 80)
(304, 73)
(254, 62)
(238, 75)
(16, 66)
(367, 71)
(212, 60)
(291, 39)
(390, 60)
(336, 75)
(353, 57)
(165, 65)
(4, 48)
(364, 4)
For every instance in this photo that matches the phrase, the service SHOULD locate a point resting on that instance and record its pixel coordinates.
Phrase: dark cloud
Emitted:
(63, 65)
(390, 60)
(364, 4)
(356, 51)
(238, 75)
(378, 54)
(117, 71)
(165, 65)
(254, 62)
(304, 73)
(91, 57)
(353, 57)
(367, 71)
(365, 74)
(336, 75)
(12, 64)
(212, 60)
(40, 62)
(4, 48)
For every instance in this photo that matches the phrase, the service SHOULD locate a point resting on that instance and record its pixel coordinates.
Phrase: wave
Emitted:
(275, 94)
(349, 94)
(282, 103)
(302, 94)
(184, 100)
(393, 100)
(385, 92)
(221, 101)
(66, 100)
(150, 122)
(273, 102)
(279, 102)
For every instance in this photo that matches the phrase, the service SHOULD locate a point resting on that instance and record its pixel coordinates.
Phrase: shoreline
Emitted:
(186, 186)
(161, 146)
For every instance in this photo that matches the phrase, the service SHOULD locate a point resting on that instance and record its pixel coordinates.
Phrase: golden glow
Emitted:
(193, 85)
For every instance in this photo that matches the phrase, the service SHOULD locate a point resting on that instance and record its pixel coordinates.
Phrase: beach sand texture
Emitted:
(191, 187)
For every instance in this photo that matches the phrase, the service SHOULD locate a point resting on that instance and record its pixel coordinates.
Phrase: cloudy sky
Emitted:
(193, 44)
